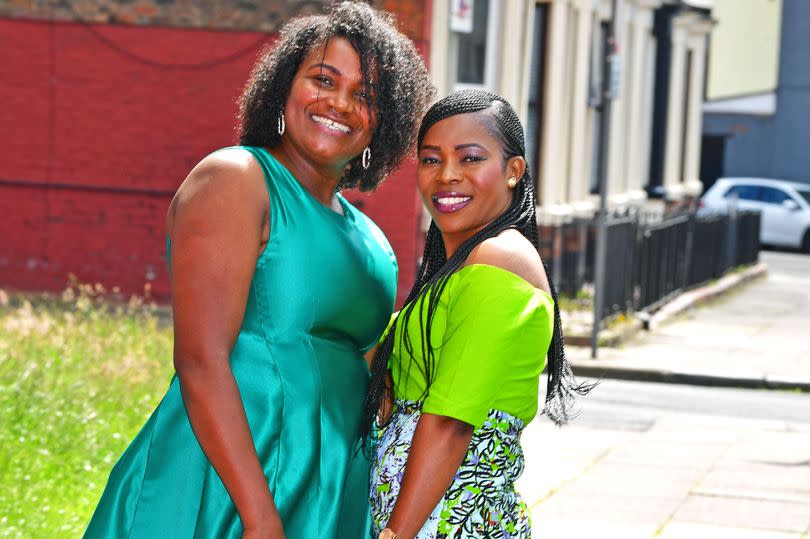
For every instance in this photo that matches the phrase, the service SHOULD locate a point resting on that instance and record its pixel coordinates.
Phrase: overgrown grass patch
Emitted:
(78, 378)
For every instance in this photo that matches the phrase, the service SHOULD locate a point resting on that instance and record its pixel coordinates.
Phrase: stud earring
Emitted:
(281, 125)
(366, 158)
(512, 182)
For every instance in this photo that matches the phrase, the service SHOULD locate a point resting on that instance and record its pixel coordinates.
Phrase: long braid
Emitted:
(436, 269)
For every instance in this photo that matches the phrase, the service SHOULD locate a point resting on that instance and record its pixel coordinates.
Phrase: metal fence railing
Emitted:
(708, 256)
(663, 261)
(649, 261)
(622, 249)
(748, 224)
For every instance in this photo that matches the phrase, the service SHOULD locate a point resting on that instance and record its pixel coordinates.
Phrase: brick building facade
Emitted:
(108, 104)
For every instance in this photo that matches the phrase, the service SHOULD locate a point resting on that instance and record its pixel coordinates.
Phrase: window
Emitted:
(805, 195)
(770, 195)
(595, 83)
(536, 84)
(474, 53)
(744, 192)
(472, 47)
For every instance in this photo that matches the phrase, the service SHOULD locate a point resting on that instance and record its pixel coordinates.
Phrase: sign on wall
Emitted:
(461, 16)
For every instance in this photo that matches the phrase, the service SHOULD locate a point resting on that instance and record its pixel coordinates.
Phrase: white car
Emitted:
(785, 207)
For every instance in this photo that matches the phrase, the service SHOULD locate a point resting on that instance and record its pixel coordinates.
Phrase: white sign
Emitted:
(461, 16)
(615, 75)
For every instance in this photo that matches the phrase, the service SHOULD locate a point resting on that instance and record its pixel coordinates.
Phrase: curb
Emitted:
(642, 321)
(685, 378)
(611, 337)
(700, 295)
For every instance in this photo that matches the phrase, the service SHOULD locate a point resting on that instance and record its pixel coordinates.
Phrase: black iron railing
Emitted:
(650, 262)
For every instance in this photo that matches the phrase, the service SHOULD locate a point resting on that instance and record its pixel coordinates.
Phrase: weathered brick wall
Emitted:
(101, 124)
(254, 15)
(264, 15)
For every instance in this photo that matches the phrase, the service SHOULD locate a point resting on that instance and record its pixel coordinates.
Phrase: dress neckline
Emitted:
(347, 214)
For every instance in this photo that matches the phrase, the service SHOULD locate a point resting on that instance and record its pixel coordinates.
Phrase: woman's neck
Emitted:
(320, 181)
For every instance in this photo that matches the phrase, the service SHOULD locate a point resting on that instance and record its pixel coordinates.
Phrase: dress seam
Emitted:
(280, 381)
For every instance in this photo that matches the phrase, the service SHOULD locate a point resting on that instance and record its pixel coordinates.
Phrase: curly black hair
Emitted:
(401, 86)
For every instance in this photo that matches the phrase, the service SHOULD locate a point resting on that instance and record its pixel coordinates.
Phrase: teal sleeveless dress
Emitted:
(322, 293)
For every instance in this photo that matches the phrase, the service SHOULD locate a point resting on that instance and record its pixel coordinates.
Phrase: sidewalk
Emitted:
(757, 336)
(687, 477)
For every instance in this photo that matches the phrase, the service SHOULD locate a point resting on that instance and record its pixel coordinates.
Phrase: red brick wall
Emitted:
(101, 124)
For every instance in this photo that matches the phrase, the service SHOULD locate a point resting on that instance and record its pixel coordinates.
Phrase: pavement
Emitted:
(753, 332)
(686, 477)
(690, 475)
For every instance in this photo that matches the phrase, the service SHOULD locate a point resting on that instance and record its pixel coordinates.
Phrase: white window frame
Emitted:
(491, 56)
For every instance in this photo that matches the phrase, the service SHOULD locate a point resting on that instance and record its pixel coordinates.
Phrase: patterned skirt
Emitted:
(481, 501)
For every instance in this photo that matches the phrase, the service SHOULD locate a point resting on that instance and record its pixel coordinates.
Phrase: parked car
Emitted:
(785, 207)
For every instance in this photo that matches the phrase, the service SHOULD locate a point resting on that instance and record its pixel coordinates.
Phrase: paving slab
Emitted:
(689, 530)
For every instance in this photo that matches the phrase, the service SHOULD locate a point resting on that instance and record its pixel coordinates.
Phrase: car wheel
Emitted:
(806, 241)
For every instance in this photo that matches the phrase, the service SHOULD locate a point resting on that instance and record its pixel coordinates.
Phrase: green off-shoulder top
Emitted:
(490, 334)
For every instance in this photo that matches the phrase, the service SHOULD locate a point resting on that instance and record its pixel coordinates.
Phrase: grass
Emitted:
(78, 378)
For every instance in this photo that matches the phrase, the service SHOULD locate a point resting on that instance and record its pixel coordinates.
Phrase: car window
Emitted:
(805, 195)
(771, 195)
(743, 192)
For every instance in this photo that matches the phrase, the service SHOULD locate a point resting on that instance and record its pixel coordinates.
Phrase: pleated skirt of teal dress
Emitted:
(321, 295)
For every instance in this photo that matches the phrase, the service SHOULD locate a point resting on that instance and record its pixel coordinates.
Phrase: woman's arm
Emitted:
(437, 450)
(216, 224)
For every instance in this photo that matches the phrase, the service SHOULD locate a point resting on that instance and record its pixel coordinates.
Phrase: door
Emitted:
(782, 223)
(747, 197)
(712, 157)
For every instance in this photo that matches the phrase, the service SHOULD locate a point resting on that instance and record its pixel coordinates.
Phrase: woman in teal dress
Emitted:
(279, 286)
(455, 380)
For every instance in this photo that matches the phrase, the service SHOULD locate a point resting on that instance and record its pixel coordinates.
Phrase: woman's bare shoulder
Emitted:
(230, 180)
(511, 251)
(229, 169)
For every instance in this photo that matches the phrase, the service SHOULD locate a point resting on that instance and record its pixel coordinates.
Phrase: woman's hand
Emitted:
(269, 529)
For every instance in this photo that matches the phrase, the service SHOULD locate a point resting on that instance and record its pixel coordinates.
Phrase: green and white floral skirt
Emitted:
(481, 501)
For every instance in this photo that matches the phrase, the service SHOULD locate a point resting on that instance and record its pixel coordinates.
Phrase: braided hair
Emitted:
(436, 268)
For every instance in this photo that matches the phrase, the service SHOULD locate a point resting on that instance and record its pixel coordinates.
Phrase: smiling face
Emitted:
(462, 176)
(328, 114)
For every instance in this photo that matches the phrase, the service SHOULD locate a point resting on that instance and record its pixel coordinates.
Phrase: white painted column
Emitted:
(636, 126)
(650, 59)
(551, 166)
(691, 176)
(672, 181)
(513, 53)
(580, 151)
(440, 47)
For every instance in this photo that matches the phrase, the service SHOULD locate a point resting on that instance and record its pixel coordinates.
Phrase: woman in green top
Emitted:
(457, 374)
(279, 286)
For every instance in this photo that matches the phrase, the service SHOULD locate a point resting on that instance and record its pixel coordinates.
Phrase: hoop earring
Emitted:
(512, 182)
(366, 158)
(281, 125)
